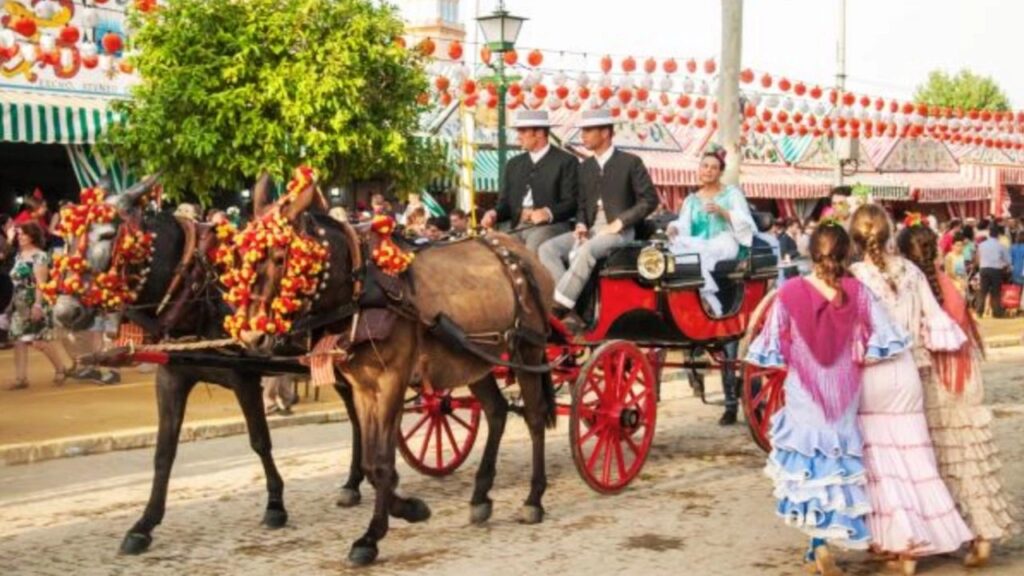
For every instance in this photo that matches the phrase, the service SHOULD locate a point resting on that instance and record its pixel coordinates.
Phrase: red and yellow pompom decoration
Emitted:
(242, 258)
(913, 219)
(110, 289)
(387, 255)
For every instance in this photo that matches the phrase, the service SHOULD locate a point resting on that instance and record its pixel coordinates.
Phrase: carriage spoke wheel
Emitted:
(764, 391)
(612, 416)
(438, 431)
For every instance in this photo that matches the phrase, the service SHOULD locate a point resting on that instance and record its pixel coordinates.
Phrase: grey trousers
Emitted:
(534, 237)
(555, 253)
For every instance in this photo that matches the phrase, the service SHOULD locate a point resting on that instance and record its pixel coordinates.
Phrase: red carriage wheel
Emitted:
(612, 417)
(438, 431)
(764, 391)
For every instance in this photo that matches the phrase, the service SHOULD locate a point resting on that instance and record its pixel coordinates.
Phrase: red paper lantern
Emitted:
(812, 121)
(683, 120)
(427, 47)
(973, 114)
(802, 130)
(746, 76)
(606, 64)
(760, 128)
(26, 27)
(69, 35)
(468, 87)
(894, 106)
(798, 117)
(515, 89)
(112, 43)
(788, 130)
(632, 113)
(650, 66)
(865, 101)
(583, 92)
(535, 58)
(470, 100)
(785, 84)
(399, 41)
(700, 122)
(710, 66)
(691, 66)
(511, 57)
(642, 94)
(90, 61)
(616, 111)
(651, 115)
(605, 93)
(540, 91)
(625, 95)
(782, 116)
(441, 83)
(446, 98)
(423, 99)
(799, 89)
(683, 101)
(986, 115)
(922, 109)
(664, 99)
(455, 50)
(700, 103)
(766, 115)
(562, 92)
(485, 54)
(816, 92)
(670, 66)
(629, 64)
(766, 81)
(127, 68)
(491, 88)
(750, 111)
(879, 104)
(849, 99)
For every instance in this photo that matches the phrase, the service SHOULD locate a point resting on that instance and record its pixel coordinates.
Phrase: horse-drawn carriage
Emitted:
(642, 307)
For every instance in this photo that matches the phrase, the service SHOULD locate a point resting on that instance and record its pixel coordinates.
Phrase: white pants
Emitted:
(711, 251)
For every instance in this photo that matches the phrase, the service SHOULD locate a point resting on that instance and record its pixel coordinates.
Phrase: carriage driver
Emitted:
(538, 197)
(616, 194)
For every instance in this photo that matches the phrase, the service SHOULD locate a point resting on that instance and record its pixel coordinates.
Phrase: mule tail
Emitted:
(547, 386)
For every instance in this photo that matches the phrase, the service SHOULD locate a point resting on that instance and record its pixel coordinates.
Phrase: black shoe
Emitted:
(91, 374)
(110, 378)
(728, 418)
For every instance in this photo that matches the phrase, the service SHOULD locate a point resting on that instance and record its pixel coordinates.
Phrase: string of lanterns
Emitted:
(674, 90)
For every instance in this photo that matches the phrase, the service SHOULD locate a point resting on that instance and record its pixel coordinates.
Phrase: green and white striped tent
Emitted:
(76, 122)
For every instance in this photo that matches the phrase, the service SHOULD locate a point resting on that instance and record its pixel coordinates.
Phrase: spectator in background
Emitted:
(437, 228)
(279, 394)
(946, 240)
(1017, 258)
(460, 224)
(30, 314)
(970, 247)
(338, 213)
(788, 249)
(993, 262)
(954, 264)
(803, 243)
(186, 210)
(415, 221)
(216, 216)
(414, 205)
(378, 205)
(56, 240)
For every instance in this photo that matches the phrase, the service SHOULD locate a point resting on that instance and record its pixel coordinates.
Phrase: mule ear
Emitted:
(302, 202)
(261, 193)
(130, 198)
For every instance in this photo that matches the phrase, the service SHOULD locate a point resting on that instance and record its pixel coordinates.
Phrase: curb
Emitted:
(29, 452)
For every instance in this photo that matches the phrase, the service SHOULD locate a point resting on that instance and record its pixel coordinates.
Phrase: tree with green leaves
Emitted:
(232, 88)
(966, 90)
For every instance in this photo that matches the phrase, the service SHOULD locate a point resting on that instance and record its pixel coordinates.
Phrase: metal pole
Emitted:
(502, 142)
(840, 84)
(729, 113)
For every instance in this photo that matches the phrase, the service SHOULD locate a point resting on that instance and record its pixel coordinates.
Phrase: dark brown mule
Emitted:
(200, 314)
(487, 287)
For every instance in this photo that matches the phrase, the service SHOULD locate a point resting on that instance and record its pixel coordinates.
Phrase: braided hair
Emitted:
(920, 245)
(830, 252)
(871, 232)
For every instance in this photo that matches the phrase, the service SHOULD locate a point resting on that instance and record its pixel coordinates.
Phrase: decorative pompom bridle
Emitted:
(239, 258)
(70, 274)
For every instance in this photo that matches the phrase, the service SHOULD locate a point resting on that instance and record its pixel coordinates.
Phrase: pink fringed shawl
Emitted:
(954, 368)
(835, 333)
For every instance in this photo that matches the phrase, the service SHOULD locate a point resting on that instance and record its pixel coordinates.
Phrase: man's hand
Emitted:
(581, 232)
(671, 231)
(489, 219)
(614, 228)
(542, 216)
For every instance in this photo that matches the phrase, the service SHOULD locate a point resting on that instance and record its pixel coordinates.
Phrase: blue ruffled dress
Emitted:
(816, 465)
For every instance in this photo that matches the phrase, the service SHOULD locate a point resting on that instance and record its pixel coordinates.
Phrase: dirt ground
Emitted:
(701, 506)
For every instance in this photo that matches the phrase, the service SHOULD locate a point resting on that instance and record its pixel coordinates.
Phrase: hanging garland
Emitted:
(69, 275)
(241, 258)
(391, 259)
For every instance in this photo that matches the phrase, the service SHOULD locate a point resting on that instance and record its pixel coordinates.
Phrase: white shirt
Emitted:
(602, 159)
(537, 156)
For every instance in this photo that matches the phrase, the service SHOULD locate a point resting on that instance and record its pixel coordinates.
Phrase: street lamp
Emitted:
(500, 31)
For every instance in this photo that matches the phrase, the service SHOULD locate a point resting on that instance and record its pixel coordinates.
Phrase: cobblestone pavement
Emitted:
(701, 506)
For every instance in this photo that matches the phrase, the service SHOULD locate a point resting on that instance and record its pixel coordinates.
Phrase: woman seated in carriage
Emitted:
(715, 223)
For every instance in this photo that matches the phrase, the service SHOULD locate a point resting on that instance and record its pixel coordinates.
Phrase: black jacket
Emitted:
(624, 187)
(554, 181)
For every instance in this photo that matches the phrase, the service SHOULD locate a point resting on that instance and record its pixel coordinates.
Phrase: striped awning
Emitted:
(485, 169)
(34, 118)
(769, 181)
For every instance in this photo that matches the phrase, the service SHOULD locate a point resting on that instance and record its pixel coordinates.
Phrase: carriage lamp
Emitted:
(500, 31)
(650, 264)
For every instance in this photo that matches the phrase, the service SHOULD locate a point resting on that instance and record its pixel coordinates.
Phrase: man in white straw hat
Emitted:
(538, 198)
(616, 193)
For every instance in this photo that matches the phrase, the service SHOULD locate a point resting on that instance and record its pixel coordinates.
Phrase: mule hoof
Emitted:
(348, 498)
(362, 555)
(531, 515)
(135, 543)
(480, 513)
(274, 519)
(415, 510)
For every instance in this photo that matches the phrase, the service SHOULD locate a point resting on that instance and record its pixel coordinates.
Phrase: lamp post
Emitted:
(500, 31)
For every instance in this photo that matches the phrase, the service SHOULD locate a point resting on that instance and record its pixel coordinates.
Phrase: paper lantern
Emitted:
(562, 92)
(815, 92)
(127, 68)
(515, 89)
(766, 115)
(782, 116)
(799, 89)
(766, 81)
(485, 54)
(710, 66)
(605, 93)
(427, 47)
(398, 40)
(112, 43)
(446, 97)
(511, 57)
(700, 103)
(907, 108)
(583, 92)
(683, 101)
(469, 87)
(746, 76)
(691, 66)
(606, 64)
(535, 58)
(625, 95)
(455, 50)
(26, 27)
(69, 35)
(632, 113)
(670, 66)
(785, 84)
(642, 94)
(629, 64)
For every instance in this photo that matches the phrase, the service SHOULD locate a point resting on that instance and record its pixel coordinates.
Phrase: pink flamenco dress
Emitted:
(816, 461)
(913, 513)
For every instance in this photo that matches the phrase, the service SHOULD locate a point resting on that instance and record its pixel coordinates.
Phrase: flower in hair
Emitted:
(830, 221)
(913, 219)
